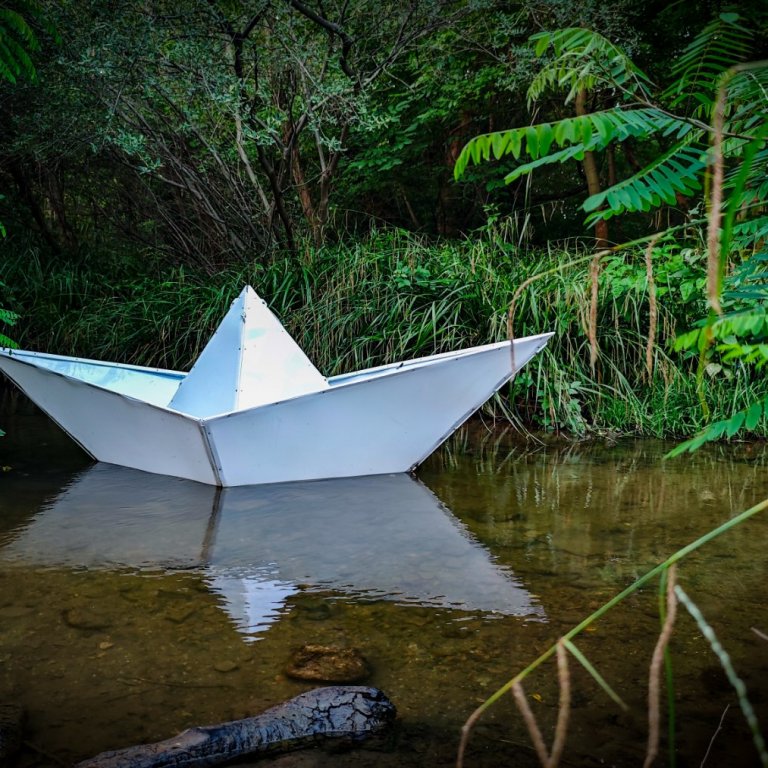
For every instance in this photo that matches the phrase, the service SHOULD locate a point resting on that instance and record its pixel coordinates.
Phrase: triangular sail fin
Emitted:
(251, 360)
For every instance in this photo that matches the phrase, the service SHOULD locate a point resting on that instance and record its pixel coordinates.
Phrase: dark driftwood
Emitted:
(346, 713)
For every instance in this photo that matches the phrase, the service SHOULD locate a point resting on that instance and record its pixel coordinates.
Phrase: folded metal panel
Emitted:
(250, 360)
(114, 428)
(380, 425)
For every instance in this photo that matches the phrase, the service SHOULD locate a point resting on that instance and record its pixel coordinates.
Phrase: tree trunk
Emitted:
(592, 175)
(55, 197)
(305, 197)
(28, 196)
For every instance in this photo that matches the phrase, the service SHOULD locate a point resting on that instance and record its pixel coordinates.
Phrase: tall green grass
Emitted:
(396, 296)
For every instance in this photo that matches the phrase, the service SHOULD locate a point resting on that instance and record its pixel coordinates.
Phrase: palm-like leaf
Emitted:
(17, 39)
(676, 171)
(8, 317)
(577, 134)
(721, 44)
(583, 60)
(710, 71)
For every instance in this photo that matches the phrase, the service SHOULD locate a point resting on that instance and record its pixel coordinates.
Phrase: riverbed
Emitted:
(133, 606)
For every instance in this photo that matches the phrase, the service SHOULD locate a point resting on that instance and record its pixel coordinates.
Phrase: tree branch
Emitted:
(346, 41)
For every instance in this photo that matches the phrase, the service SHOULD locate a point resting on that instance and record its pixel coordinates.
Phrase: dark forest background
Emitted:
(161, 154)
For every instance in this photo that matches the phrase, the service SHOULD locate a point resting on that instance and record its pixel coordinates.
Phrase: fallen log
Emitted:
(343, 714)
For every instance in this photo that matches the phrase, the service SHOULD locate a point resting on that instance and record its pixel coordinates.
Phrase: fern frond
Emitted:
(747, 418)
(593, 132)
(721, 44)
(12, 20)
(677, 170)
(744, 323)
(747, 97)
(574, 152)
(18, 39)
(7, 343)
(750, 231)
(583, 60)
(750, 354)
(16, 58)
(8, 317)
(748, 285)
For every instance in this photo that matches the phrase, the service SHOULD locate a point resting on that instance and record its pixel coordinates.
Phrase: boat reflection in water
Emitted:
(382, 537)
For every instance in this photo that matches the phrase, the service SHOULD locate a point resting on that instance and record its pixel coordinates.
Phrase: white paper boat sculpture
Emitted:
(254, 409)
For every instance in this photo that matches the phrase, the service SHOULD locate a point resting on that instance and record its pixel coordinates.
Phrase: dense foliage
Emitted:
(394, 295)
(166, 153)
(710, 123)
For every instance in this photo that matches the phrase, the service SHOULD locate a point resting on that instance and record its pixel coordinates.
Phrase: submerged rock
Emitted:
(328, 663)
(225, 666)
(82, 618)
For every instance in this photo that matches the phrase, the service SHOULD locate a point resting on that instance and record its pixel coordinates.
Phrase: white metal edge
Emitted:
(16, 353)
(398, 369)
(213, 454)
(95, 386)
(430, 358)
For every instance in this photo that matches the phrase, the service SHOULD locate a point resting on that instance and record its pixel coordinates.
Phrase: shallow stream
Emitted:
(133, 606)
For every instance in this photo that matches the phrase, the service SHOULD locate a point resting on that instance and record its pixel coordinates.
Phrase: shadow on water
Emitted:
(133, 606)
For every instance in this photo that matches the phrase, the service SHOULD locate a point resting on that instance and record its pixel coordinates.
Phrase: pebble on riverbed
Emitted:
(225, 666)
(327, 664)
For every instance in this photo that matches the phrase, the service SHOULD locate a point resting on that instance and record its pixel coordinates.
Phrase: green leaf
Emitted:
(7, 342)
(734, 423)
(676, 169)
(498, 144)
(569, 153)
(546, 138)
(599, 679)
(754, 413)
(564, 132)
(532, 142)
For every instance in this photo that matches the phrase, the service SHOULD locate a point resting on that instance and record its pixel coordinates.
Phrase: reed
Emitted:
(566, 641)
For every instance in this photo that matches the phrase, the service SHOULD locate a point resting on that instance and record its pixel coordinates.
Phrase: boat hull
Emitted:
(381, 422)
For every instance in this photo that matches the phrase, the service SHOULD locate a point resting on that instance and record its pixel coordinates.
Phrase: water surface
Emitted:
(133, 606)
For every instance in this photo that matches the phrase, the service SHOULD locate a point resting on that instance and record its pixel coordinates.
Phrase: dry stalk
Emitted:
(760, 634)
(531, 724)
(716, 203)
(714, 735)
(652, 308)
(564, 710)
(549, 760)
(655, 671)
(520, 288)
(594, 274)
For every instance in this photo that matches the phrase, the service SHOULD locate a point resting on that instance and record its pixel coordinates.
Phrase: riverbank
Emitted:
(395, 296)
